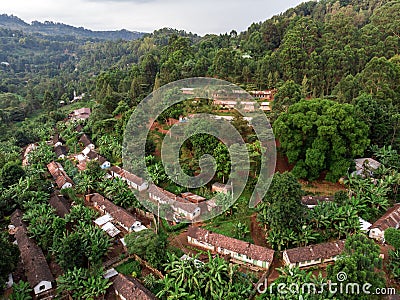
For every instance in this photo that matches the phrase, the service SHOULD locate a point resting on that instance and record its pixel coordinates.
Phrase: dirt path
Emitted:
(257, 232)
(282, 163)
(180, 241)
(385, 251)
(157, 126)
(274, 274)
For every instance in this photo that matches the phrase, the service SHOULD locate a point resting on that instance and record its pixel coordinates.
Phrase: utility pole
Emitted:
(158, 216)
(232, 190)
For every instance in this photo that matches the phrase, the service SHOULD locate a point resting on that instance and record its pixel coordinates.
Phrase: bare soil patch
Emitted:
(322, 188)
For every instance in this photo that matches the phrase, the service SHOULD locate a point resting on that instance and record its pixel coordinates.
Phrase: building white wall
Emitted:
(306, 263)
(42, 286)
(123, 226)
(143, 187)
(66, 185)
(200, 244)
(106, 165)
(188, 215)
(119, 295)
(309, 263)
(237, 256)
(377, 234)
(115, 174)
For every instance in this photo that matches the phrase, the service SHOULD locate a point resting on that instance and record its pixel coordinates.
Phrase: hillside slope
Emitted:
(60, 29)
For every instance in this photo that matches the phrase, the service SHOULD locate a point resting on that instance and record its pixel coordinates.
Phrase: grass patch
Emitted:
(174, 250)
(130, 267)
(173, 188)
(323, 188)
(227, 226)
(158, 135)
(174, 228)
(224, 113)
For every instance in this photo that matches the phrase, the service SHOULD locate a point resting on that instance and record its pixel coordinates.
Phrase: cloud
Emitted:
(121, 1)
(207, 16)
(129, 1)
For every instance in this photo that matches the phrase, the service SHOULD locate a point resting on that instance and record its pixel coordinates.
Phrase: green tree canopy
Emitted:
(288, 94)
(11, 173)
(392, 237)
(82, 283)
(379, 116)
(318, 135)
(148, 245)
(215, 279)
(380, 78)
(361, 263)
(21, 291)
(281, 207)
(9, 258)
(83, 247)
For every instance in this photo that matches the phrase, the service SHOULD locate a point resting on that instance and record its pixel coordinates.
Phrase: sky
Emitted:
(201, 16)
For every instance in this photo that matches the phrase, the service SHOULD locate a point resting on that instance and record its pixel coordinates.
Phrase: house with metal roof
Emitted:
(313, 254)
(238, 250)
(391, 219)
(129, 288)
(34, 262)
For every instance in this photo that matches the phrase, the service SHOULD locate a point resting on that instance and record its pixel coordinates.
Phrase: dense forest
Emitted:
(335, 67)
(330, 49)
(60, 29)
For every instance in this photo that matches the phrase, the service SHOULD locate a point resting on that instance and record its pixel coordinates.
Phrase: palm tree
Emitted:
(212, 277)
(340, 228)
(102, 184)
(394, 263)
(104, 140)
(82, 284)
(21, 291)
(85, 184)
(173, 291)
(386, 155)
(95, 287)
(255, 150)
(116, 150)
(226, 203)
(110, 147)
(241, 230)
(80, 213)
(116, 186)
(358, 204)
(182, 271)
(94, 241)
(290, 277)
(306, 235)
(392, 177)
(37, 210)
(275, 239)
(36, 170)
(157, 173)
(150, 282)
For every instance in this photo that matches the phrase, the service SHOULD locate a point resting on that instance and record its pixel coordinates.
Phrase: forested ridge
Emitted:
(60, 29)
(340, 50)
(320, 45)
(334, 67)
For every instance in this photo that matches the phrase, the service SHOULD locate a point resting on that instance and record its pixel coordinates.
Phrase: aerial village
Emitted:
(194, 240)
(296, 196)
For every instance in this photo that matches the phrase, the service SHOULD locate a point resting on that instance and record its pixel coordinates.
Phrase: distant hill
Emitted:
(60, 29)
